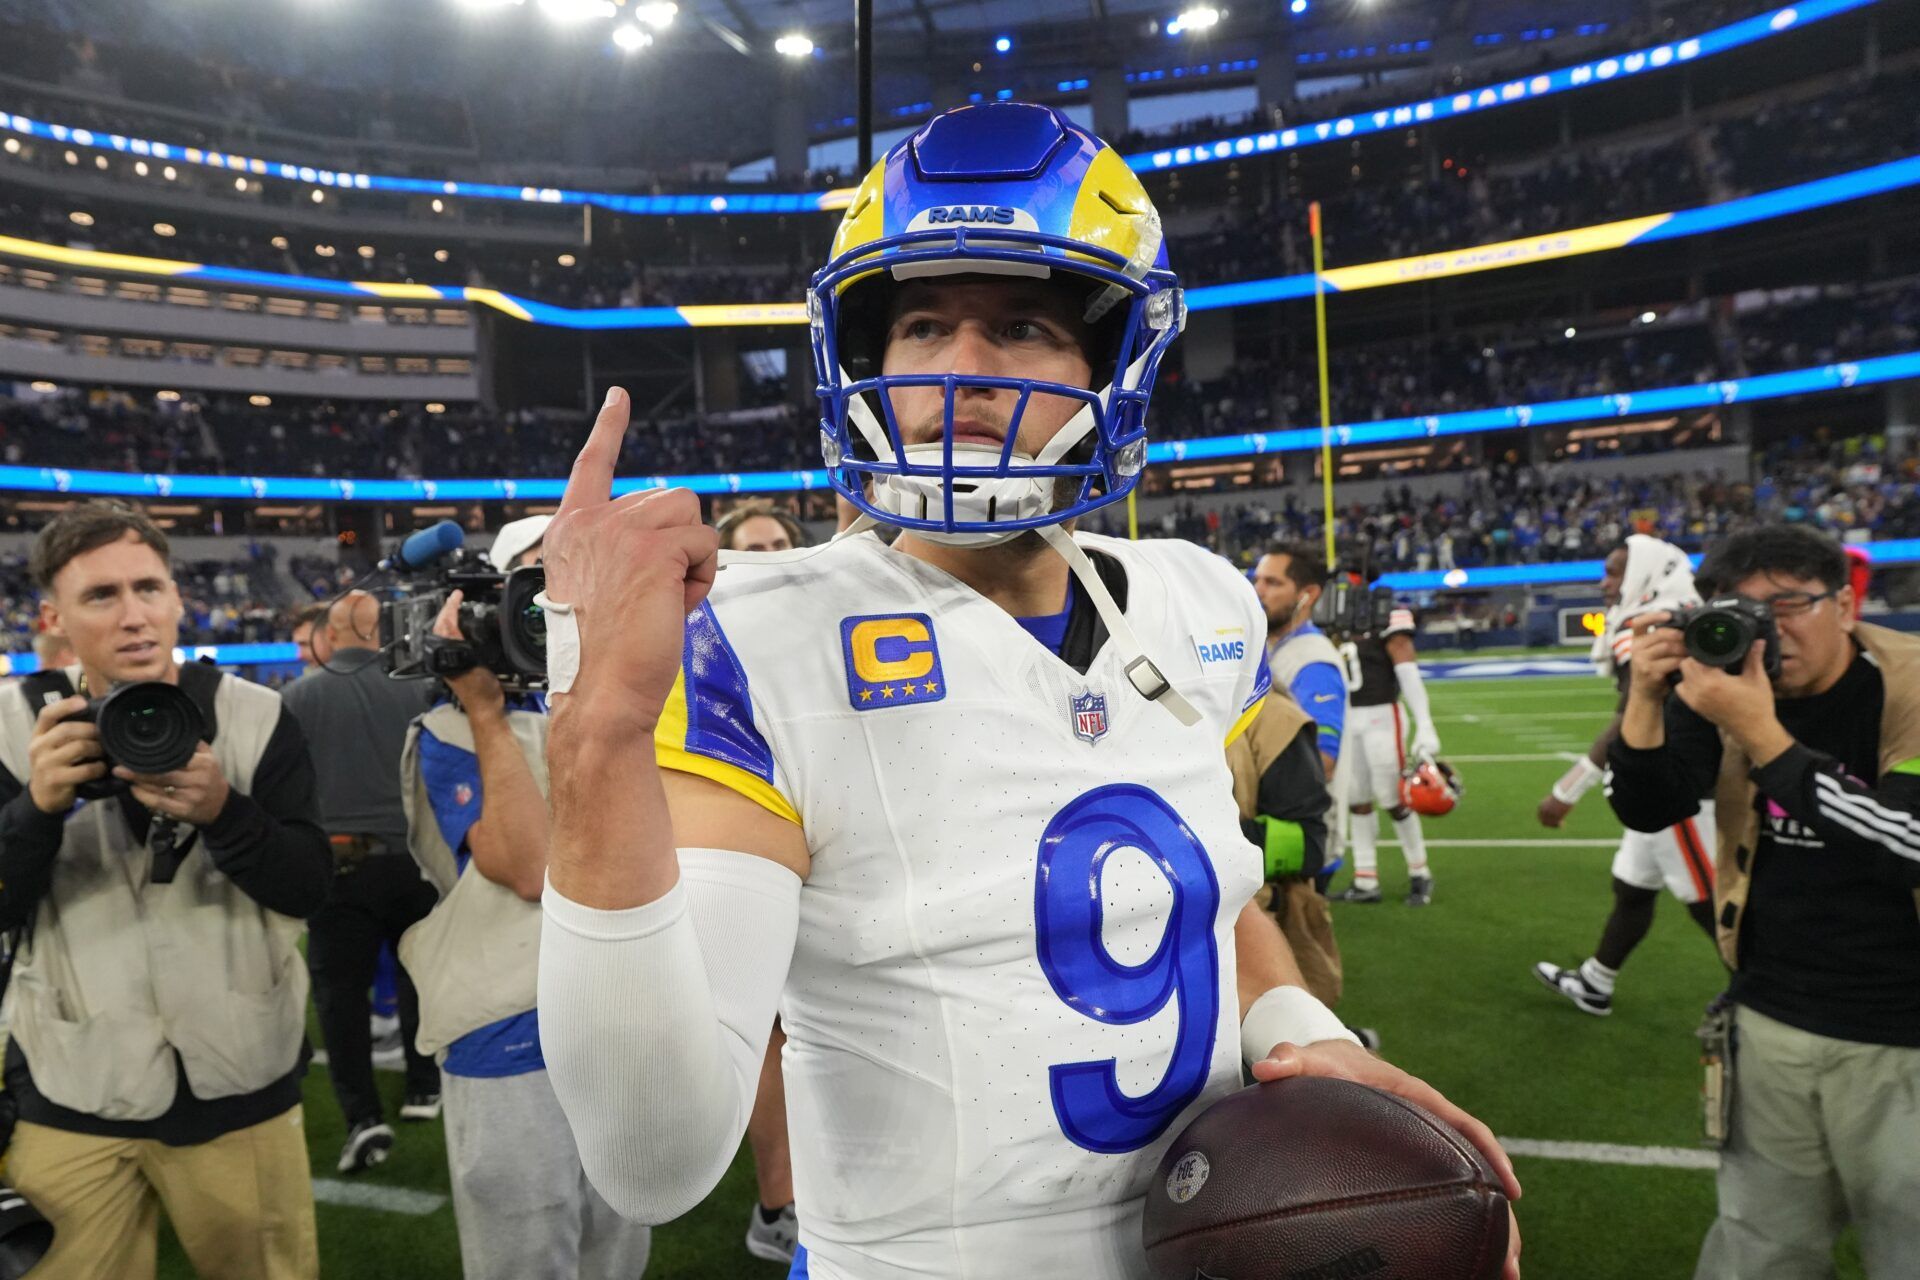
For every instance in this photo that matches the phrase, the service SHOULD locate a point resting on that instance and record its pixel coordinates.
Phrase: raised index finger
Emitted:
(591, 481)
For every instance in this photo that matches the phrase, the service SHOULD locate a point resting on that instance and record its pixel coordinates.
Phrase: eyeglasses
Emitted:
(1795, 604)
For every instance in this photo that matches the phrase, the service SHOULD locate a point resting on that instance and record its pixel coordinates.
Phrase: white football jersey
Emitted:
(1014, 978)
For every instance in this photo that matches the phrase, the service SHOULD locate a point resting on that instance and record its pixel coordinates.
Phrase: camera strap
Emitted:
(44, 687)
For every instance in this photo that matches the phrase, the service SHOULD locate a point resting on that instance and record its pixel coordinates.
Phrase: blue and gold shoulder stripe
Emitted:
(1262, 685)
(707, 727)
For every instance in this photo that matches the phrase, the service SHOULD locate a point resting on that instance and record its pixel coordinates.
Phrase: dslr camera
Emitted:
(1347, 611)
(1722, 632)
(149, 726)
(501, 628)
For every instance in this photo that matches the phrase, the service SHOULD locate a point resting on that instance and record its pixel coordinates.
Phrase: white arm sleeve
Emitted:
(654, 1021)
(1414, 690)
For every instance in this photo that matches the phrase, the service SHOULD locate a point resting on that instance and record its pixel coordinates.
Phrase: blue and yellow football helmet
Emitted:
(1003, 189)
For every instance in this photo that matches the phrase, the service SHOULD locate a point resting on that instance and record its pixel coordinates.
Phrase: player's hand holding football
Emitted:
(1344, 1060)
(631, 569)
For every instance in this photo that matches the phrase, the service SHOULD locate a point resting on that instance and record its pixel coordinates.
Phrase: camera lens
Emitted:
(150, 727)
(533, 626)
(1716, 636)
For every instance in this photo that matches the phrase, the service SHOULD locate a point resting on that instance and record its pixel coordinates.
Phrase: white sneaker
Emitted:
(775, 1241)
(368, 1144)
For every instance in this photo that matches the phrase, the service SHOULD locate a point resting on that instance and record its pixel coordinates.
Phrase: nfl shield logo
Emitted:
(1089, 716)
(463, 795)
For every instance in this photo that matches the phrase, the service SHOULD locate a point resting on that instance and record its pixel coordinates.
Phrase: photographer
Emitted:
(356, 719)
(158, 1006)
(474, 776)
(1818, 795)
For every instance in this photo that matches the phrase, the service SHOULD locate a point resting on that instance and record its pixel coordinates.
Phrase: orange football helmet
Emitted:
(1430, 788)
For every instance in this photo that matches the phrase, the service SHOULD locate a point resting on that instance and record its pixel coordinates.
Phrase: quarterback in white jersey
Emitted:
(956, 809)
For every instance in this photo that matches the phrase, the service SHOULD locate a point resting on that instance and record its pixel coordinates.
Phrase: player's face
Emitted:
(119, 607)
(761, 533)
(996, 328)
(303, 642)
(1815, 644)
(1278, 594)
(1614, 576)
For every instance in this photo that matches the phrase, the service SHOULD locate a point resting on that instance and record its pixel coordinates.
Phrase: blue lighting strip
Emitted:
(1526, 89)
(1599, 71)
(227, 655)
(1891, 552)
(1626, 404)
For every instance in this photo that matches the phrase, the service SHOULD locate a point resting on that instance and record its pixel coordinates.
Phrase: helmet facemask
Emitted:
(966, 493)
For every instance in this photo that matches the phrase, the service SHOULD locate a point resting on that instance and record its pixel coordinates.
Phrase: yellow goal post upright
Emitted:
(1326, 393)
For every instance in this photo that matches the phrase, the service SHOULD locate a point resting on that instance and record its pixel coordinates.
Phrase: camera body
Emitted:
(1348, 611)
(501, 628)
(1722, 632)
(149, 726)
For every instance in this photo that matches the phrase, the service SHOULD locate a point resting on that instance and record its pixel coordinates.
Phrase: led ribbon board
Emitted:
(1878, 179)
(1525, 89)
(1487, 97)
(1624, 404)
(1889, 552)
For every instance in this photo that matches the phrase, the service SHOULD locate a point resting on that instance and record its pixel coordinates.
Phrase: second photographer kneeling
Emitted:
(474, 776)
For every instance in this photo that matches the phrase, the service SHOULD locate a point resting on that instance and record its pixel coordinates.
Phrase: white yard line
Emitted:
(1613, 1153)
(1564, 842)
(1567, 757)
(370, 1195)
(1596, 714)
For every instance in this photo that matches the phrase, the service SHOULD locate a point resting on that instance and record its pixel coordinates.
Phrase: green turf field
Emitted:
(1448, 988)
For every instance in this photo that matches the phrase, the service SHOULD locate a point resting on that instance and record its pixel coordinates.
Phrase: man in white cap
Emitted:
(474, 780)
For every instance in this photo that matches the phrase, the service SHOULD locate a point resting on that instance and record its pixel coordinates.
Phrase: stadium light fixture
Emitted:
(566, 259)
(577, 10)
(1198, 18)
(73, 157)
(80, 218)
(1003, 45)
(658, 14)
(165, 230)
(169, 173)
(1571, 331)
(1647, 317)
(441, 255)
(628, 38)
(100, 162)
(319, 196)
(167, 397)
(1298, 7)
(44, 387)
(239, 184)
(793, 45)
(484, 5)
(139, 166)
(13, 146)
(260, 402)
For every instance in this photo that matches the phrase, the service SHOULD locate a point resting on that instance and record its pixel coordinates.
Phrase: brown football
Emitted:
(1316, 1179)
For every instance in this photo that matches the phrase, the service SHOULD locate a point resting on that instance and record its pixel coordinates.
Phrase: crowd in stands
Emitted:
(1508, 514)
(1428, 375)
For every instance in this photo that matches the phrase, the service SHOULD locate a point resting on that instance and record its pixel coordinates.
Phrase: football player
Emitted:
(1640, 575)
(1376, 759)
(956, 807)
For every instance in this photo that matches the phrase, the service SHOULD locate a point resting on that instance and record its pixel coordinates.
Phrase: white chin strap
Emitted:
(1141, 670)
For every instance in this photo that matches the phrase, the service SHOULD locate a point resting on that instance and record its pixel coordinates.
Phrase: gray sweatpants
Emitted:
(523, 1205)
(1825, 1132)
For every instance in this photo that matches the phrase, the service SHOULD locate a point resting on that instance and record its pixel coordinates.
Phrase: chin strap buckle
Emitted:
(1147, 678)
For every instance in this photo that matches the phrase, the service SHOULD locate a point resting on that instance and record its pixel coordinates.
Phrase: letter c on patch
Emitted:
(891, 649)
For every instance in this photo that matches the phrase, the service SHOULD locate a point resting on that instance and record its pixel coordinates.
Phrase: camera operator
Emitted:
(474, 776)
(356, 719)
(158, 1007)
(1817, 893)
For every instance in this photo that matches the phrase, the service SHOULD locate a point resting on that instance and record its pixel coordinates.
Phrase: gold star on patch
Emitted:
(866, 695)
(886, 691)
(908, 688)
(930, 686)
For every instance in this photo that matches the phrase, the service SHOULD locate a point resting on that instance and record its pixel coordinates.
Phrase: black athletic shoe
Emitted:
(1421, 891)
(368, 1144)
(1570, 984)
(1354, 893)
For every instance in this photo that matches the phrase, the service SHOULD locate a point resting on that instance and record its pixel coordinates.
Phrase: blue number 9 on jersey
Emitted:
(1185, 967)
